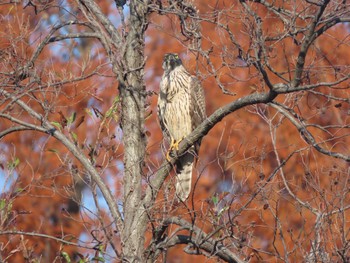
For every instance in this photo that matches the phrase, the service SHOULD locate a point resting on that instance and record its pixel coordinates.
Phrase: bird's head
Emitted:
(171, 61)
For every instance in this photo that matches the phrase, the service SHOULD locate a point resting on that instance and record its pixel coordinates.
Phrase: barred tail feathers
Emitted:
(184, 167)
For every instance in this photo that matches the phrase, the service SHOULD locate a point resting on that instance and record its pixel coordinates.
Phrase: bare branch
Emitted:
(12, 129)
(61, 240)
(200, 240)
(49, 128)
(308, 137)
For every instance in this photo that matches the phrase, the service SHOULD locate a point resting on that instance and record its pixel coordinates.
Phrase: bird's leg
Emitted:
(173, 145)
(170, 148)
(176, 144)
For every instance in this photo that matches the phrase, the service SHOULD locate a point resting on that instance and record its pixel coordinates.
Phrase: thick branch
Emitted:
(24, 126)
(76, 35)
(198, 133)
(217, 116)
(94, 9)
(311, 36)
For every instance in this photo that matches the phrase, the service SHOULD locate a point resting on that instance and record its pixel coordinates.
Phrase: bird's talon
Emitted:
(170, 149)
(174, 145)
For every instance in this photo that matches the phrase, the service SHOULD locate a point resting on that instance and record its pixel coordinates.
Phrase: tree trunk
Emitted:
(132, 92)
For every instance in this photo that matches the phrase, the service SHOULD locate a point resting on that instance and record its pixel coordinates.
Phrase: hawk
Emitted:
(181, 108)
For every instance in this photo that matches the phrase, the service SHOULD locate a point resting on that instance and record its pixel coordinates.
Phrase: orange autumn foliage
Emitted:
(237, 159)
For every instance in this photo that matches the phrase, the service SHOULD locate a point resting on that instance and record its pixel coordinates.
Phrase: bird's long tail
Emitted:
(184, 175)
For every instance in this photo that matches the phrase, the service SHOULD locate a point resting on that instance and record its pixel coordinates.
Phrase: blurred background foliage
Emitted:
(72, 81)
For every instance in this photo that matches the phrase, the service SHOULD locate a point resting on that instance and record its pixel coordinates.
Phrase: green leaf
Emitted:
(100, 247)
(66, 257)
(215, 200)
(99, 259)
(13, 164)
(16, 162)
(5, 206)
(53, 150)
(82, 259)
(2, 204)
(71, 119)
(19, 190)
(57, 124)
(88, 111)
(74, 136)
(114, 108)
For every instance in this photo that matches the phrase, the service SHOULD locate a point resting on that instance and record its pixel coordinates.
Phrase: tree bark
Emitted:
(132, 93)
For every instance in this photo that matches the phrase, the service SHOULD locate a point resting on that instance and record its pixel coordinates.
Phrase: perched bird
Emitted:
(181, 108)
